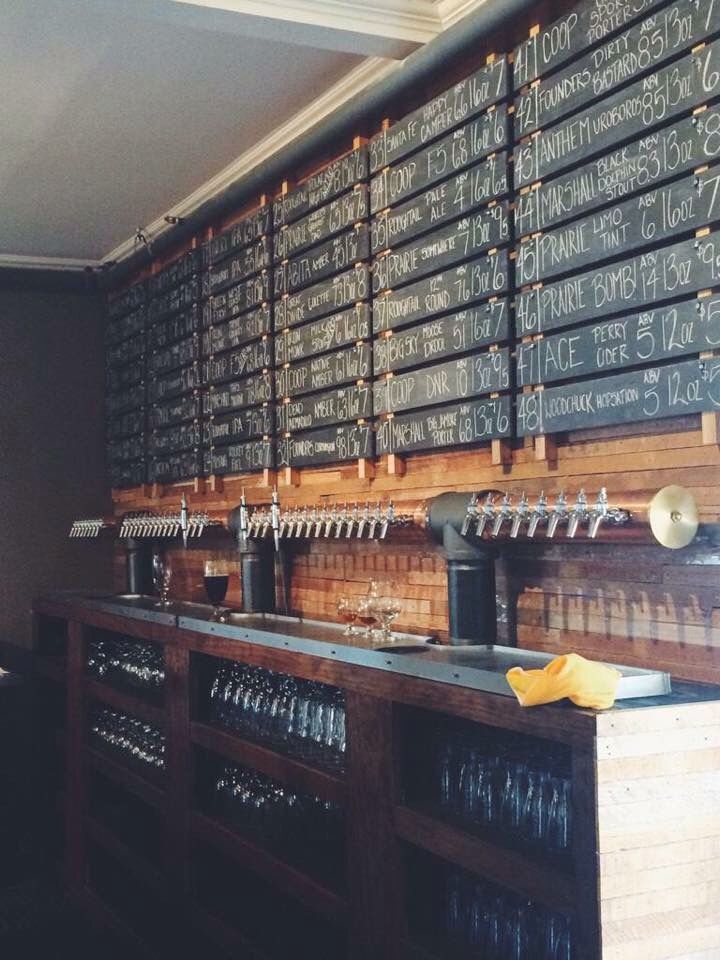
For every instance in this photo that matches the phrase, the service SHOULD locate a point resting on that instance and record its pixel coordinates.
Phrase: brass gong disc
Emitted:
(673, 517)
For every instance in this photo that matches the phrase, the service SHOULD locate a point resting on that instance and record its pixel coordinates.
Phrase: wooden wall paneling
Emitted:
(659, 833)
(376, 893)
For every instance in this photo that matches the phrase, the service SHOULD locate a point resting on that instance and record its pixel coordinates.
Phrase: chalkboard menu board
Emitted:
(125, 377)
(331, 445)
(455, 106)
(329, 296)
(241, 234)
(453, 425)
(240, 457)
(617, 254)
(322, 187)
(321, 336)
(551, 221)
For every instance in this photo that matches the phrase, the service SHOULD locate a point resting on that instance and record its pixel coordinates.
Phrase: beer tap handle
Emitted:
(577, 513)
(275, 518)
(374, 519)
(387, 520)
(486, 515)
(352, 520)
(243, 526)
(341, 520)
(598, 513)
(470, 515)
(559, 514)
(501, 516)
(518, 516)
(539, 513)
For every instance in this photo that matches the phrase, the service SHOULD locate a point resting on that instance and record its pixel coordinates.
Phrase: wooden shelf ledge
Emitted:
(287, 878)
(125, 701)
(137, 784)
(508, 868)
(134, 862)
(297, 774)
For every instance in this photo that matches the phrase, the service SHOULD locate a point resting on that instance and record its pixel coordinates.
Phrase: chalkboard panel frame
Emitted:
(471, 422)
(240, 458)
(650, 393)
(638, 51)
(247, 423)
(641, 164)
(241, 297)
(334, 256)
(240, 266)
(334, 179)
(486, 278)
(175, 466)
(667, 332)
(479, 141)
(186, 435)
(253, 391)
(241, 234)
(648, 101)
(322, 223)
(240, 363)
(342, 443)
(458, 104)
(339, 405)
(329, 296)
(178, 410)
(324, 335)
(441, 337)
(348, 365)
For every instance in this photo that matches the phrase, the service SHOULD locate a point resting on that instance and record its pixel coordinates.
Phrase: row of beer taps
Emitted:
(505, 518)
(87, 529)
(320, 521)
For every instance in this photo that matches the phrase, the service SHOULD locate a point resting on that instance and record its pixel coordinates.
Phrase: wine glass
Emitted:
(387, 606)
(348, 608)
(162, 575)
(216, 584)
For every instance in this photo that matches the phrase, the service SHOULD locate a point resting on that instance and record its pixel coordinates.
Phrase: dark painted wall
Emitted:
(52, 467)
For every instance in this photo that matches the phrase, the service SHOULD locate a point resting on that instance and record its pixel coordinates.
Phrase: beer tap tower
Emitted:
(474, 532)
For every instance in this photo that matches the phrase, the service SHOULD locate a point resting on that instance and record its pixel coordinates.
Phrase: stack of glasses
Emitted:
(134, 737)
(307, 829)
(527, 797)
(126, 662)
(304, 718)
(498, 926)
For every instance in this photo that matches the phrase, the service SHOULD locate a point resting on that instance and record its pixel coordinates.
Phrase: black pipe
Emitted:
(361, 114)
(138, 566)
(472, 608)
(257, 569)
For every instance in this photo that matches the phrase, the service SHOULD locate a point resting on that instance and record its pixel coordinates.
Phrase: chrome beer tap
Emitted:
(519, 516)
(291, 521)
(374, 518)
(501, 516)
(353, 518)
(330, 520)
(487, 514)
(537, 515)
(364, 519)
(243, 527)
(558, 514)
(184, 520)
(341, 521)
(302, 523)
(578, 513)
(275, 518)
(471, 514)
(388, 518)
(601, 512)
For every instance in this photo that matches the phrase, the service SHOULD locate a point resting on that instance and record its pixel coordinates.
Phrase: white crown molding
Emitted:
(367, 73)
(21, 262)
(450, 11)
(412, 20)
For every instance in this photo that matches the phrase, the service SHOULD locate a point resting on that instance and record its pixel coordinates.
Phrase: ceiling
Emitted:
(117, 112)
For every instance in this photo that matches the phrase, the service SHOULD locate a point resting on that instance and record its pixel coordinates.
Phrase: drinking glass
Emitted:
(348, 608)
(162, 575)
(216, 584)
(387, 606)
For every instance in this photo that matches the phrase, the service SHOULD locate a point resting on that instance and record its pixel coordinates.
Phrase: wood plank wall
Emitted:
(636, 604)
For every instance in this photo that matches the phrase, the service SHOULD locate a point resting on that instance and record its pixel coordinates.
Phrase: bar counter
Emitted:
(629, 875)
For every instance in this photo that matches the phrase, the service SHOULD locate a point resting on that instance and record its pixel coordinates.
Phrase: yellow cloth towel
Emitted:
(585, 682)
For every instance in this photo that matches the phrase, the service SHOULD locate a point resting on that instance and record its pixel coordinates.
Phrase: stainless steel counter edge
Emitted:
(439, 664)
